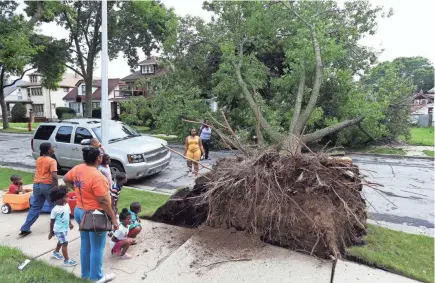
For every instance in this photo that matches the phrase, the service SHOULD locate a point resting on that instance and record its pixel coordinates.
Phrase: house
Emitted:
(75, 99)
(148, 69)
(422, 108)
(36, 98)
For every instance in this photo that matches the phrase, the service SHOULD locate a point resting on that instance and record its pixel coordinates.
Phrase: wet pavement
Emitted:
(406, 199)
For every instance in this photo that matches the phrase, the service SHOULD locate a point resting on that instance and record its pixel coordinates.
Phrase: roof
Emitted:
(10, 89)
(428, 96)
(68, 80)
(74, 93)
(150, 61)
(138, 75)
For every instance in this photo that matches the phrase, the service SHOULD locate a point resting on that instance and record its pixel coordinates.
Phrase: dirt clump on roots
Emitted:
(307, 203)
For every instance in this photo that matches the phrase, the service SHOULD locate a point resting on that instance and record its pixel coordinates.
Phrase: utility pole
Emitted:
(104, 78)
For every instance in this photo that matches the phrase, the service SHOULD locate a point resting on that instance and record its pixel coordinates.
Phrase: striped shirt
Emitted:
(115, 191)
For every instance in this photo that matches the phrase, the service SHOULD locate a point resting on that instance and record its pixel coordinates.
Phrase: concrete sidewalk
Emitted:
(167, 253)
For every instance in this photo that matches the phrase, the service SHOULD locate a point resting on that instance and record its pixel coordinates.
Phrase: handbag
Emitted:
(94, 220)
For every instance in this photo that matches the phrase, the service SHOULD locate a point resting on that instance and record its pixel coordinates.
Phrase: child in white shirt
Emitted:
(60, 224)
(120, 241)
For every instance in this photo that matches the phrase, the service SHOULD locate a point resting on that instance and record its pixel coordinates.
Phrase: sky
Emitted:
(409, 32)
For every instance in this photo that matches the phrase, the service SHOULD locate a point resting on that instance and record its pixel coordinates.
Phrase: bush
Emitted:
(18, 113)
(96, 113)
(61, 111)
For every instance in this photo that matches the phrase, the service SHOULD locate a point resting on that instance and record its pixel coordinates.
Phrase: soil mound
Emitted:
(307, 203)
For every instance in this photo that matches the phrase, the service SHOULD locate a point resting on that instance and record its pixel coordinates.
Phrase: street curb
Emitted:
(391, 155)
(25, 134)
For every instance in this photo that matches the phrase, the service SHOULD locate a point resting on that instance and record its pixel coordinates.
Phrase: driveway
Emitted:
(405, 202)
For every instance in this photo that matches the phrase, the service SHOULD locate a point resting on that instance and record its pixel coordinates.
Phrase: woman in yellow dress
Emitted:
(193, 150)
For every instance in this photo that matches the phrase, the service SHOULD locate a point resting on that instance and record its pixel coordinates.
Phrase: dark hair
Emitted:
(59, 193)
(135, 206)
(124, 214)
(120, 176)
(190, 131)
(90, 155)
(15, 178)
(106, 157)
(44, 148)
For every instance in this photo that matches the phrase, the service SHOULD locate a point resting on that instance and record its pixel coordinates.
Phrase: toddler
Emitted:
(60, 224)
(116, 188)
(16, 186)
(105, 169)
(120, 241)
(135, 226)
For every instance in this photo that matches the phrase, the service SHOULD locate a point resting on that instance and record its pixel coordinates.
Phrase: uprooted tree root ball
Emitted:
(308, 203)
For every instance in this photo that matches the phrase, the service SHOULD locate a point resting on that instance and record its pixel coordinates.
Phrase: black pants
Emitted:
(206, 145)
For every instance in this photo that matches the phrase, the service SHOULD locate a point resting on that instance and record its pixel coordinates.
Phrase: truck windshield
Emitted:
(117, 132)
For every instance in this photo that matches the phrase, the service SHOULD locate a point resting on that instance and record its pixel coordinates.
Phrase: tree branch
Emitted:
(38, 15)
(274, 135)
(298, 104)
(76, 42)
(22, 75)
(330, 130)
(74, 70)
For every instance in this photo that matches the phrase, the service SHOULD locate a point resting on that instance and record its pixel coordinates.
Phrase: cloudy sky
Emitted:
(409, 32)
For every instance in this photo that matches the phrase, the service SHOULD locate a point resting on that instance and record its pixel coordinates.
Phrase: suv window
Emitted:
(82, 134)
(44, 132)
(64, 134)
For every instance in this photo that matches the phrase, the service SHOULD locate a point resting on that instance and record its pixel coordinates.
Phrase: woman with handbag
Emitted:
(93, 213)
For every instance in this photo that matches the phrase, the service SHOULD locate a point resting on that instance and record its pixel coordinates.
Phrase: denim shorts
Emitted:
(62, 237)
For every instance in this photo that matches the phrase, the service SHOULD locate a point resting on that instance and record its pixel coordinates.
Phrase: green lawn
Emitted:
(35, 271)
(422, 136)
(149, 201)
(23, 125)
(16, 131)
(5, 174)
(386, 150)
(429, 153)
(399, 252)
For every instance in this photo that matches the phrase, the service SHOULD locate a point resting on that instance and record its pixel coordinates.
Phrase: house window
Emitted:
(53, 106)
(83, 89)
(65, 89)
(130, 85)
(149, 69)
(95, 105)
(38, 109)
(423, 101)
(33, 79)
(36, 91)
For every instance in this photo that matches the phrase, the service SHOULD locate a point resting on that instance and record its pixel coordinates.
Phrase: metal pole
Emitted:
(104, 78)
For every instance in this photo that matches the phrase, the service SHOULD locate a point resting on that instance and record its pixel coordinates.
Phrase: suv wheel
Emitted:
(116, 167)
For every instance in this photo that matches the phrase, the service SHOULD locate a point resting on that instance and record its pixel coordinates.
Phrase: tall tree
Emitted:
(21, 50)
(318, 38)
(131, 25)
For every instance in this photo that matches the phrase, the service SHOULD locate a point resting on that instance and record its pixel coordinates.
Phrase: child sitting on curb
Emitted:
(60, 224)
(135, 226)
(120, 241)
(16, 186)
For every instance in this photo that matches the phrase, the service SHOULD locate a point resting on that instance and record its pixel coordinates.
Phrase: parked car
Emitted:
(130, 152)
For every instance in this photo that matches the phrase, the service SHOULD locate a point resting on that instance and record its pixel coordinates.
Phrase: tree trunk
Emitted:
(293, 144)
(331, 130)
(2, 100)
(88, 97)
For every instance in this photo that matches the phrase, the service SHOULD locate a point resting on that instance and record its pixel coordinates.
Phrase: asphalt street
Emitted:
(405, 199)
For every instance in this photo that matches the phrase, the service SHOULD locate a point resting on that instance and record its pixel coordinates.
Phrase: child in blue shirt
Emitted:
(60, 224)
(115, 190)
(135, 226)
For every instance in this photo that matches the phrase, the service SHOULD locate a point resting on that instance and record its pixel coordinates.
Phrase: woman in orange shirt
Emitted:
(92, 193)
(45, 179)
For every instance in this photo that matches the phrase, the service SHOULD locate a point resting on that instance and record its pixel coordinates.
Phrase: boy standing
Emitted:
(60, 224)
(115, 191)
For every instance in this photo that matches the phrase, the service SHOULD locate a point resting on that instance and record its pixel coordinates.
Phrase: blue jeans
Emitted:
(91, 250)
(40, 194)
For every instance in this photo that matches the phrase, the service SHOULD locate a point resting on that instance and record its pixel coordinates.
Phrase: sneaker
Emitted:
(57, 256)
(190, 174)
(24, 233)
(107, 278)
(126, 256)
(70, 262)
